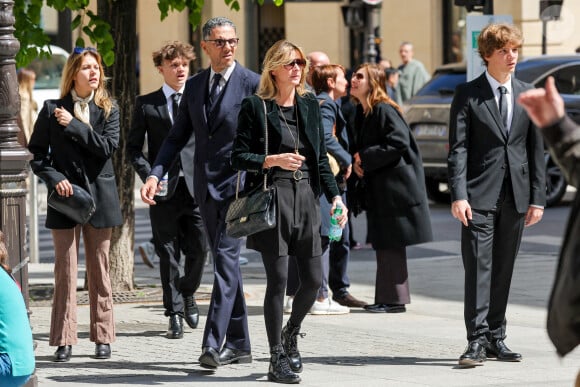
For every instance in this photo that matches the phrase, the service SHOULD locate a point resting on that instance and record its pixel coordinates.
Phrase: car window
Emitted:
(442, 84)
(48, 71)
(567, 80)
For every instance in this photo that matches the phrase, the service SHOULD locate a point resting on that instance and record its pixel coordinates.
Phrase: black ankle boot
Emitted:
(290, 335)
(280, 371)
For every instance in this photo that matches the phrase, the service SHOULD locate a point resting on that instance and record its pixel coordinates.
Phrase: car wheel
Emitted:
(436, 191)
(555, 182)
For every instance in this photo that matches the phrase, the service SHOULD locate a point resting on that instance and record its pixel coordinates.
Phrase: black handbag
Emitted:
(80, 206)
(255, 212)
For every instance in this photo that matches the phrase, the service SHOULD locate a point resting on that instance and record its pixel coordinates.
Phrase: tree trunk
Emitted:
(121, 15)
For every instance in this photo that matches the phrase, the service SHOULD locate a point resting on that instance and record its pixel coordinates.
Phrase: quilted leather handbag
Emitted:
(255, 212)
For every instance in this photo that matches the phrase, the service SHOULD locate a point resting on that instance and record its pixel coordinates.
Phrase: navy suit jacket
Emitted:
(213, 139)
(480, 150)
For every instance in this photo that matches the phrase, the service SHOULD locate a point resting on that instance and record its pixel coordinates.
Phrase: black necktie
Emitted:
(503, 108)
(176, 97)
(214, 92)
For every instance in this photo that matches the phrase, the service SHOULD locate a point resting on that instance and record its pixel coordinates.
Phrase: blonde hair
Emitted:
(26, 78)
(279, 54)
(377, 93)
(72, 67)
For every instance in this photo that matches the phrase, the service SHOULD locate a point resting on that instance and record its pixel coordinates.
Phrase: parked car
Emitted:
(48, 75)
(427, 114)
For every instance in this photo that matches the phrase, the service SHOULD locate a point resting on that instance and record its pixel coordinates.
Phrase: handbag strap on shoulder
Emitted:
(265, 151)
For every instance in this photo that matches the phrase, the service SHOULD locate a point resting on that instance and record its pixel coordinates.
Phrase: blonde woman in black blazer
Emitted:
(73, 141)
(298, 166)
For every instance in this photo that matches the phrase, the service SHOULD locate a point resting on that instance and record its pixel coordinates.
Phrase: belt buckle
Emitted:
(297, 174)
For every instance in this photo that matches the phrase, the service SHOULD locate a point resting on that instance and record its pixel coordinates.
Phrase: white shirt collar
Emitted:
(495, 84)
(168, 91)
(226, 73)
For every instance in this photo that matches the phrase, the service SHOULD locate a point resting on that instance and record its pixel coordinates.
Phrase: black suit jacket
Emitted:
(248, 152)
(564, 305)
(151, 118)
(78, 152)
(213, 139)
(480, 151)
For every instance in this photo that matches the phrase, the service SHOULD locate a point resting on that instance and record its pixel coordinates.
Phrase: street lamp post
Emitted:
(13, 157)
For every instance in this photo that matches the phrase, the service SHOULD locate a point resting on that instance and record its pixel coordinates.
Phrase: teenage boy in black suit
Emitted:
(175, 220)
(497, 184)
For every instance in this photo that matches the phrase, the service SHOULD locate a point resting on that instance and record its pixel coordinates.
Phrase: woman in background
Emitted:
(388, 160)
(73, 142)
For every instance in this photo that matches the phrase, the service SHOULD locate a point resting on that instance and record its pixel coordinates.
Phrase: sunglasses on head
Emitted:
(300, 62)
(219, 43)
(80, 50)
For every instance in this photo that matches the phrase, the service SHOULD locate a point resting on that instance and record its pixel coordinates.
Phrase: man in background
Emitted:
(412, 73)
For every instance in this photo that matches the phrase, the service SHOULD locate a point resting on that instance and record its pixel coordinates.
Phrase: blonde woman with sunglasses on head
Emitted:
(73, 142)
(298, 167)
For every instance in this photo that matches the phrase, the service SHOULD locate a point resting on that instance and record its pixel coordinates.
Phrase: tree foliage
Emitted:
(34, 41)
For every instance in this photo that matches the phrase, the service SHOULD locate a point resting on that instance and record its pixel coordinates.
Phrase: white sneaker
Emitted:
(328, 307)
(288, 305)
(147, 251)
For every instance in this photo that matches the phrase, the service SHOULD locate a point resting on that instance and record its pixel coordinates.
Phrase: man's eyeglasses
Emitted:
(80, 50)
(358, 76)
(300, 62)
(219, 43)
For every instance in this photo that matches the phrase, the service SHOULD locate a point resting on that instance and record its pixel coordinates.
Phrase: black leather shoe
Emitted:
(375, 308)
(395, 308)
(175, 329)
(63, 353)
(210, 358)
(474, 355)
(190, 311)
(229, 356)
(498, 349)
(102, 351)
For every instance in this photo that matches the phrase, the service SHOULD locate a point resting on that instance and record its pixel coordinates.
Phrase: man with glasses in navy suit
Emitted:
(209, 113)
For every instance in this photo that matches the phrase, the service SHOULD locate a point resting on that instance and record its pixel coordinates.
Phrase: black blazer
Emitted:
(564, 305)
(480, 151)
(77, 153)
(395, 196)
(213, 138)
(151, 118)
(248, 151)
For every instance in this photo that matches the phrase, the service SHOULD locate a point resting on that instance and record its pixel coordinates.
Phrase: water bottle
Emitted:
(163, 183)
(335, 231)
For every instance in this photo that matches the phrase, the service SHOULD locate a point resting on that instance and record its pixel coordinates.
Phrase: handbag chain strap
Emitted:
(265, 151)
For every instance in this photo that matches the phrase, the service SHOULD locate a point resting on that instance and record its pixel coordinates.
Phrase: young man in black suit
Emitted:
(497, 184)
(209, 114)
(175, 220)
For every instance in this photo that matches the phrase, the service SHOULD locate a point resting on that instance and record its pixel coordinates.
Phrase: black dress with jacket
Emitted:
(78, 152)
(394, 194)
(248, 151)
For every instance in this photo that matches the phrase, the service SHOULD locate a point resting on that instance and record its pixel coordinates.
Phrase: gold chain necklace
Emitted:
(296, 141)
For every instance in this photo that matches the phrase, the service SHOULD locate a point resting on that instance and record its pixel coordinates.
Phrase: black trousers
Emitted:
(489, 245)
(177, 227)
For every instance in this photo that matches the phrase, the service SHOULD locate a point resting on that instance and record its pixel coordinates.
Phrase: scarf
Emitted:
(81, 107)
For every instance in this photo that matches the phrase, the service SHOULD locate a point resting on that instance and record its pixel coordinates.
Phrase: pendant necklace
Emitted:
(297, 173)
(296, 141)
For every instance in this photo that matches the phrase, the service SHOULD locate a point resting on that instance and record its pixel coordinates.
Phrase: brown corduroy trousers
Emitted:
(63, 326)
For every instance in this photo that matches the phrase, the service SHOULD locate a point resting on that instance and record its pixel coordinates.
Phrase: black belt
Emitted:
(294, 175)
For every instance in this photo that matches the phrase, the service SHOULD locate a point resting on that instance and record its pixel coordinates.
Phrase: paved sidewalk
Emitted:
(417, 348)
